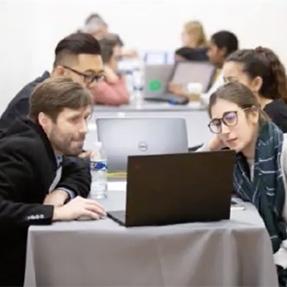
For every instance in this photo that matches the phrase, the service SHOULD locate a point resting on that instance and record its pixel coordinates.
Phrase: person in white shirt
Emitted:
(221, 45)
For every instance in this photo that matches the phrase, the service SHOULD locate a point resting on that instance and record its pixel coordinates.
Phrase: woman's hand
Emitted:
(215, 144)
(176, 89)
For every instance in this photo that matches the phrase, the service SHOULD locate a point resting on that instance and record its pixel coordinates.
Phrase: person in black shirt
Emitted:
(194, 43)
(77, 56)
(261, 70)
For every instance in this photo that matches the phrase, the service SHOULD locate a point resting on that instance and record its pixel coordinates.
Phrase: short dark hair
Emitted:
(55, 94)
(225, 39)
(75, 44)
(107, 47)
(263, 62)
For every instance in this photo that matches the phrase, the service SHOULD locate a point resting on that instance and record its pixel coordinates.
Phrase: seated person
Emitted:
(222, 44)
(77, 56)
(260, 171)
(98, 27)
(194, 43)
(38, 184)
(112, 89)
(263, 73)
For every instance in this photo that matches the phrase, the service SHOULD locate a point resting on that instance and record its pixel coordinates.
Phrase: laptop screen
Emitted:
(140, 136)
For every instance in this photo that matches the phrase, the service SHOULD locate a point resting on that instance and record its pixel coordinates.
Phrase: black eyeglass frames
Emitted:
(88, 78)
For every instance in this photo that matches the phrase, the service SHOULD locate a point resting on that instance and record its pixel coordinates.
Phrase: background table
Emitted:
(233, 252)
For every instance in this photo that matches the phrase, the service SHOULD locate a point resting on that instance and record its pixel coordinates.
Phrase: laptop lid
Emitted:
(177, 188)
(140, 136)
(156, 78)
(193, 72)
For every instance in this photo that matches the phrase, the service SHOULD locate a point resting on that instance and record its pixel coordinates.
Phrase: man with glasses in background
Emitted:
(78, 56)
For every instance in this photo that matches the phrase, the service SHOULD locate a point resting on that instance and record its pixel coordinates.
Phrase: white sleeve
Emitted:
(218, 83)
(280, 257)
(284, 169)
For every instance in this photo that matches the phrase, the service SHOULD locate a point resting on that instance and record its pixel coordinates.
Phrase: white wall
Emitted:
(30, 29)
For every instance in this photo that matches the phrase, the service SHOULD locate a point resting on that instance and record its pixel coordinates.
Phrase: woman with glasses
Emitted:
(112, 90)
(260, 171)
(263, 73)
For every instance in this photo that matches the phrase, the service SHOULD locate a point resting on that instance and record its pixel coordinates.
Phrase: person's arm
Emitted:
(284, 169)
(76, 176)
(79, 208)
(17, 178)
(181, 90)
(214, 144)
(280, 257)
(177, 89)
(111, 93)
(20, 191)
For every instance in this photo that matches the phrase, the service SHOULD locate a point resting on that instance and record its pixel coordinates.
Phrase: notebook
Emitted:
(157, 78)
(140, 136)
(177, 188)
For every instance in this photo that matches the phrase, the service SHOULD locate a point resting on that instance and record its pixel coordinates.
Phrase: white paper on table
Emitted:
(117, 185)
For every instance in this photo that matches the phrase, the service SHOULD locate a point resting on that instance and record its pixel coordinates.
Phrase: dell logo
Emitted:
(142, 146)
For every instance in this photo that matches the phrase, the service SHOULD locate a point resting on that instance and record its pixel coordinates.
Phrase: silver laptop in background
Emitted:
(140, 136)
(193, 72)
(156, 82)
(156, 79)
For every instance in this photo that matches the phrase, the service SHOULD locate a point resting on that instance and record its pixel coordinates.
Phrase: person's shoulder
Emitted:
(22, 138)
(284, 150)
(26, 91)
(183, 51)
(276, 105)
(193, 54)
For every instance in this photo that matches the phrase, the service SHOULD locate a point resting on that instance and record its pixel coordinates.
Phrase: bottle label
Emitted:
(98, 165)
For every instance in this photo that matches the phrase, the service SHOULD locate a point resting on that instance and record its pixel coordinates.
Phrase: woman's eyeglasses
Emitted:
(230, 119)
(88, 78)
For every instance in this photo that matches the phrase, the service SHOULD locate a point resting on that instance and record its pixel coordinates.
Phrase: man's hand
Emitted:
(77, 208)
(56, 197)
(87, 154)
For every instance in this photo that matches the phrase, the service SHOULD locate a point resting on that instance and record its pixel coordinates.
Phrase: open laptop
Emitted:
(194, 72)
(157, 78)
(140, 136)
(177, 188)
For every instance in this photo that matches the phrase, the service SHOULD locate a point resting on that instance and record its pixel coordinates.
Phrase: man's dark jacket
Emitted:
(19, 106)
(27, 169)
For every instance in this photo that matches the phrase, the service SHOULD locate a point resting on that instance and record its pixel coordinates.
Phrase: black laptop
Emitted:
(177, 188)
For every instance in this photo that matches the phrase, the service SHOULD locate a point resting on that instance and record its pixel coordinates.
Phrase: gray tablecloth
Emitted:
(235, 252)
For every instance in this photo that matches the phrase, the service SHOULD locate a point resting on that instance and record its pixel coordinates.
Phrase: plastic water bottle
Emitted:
(99, 170)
